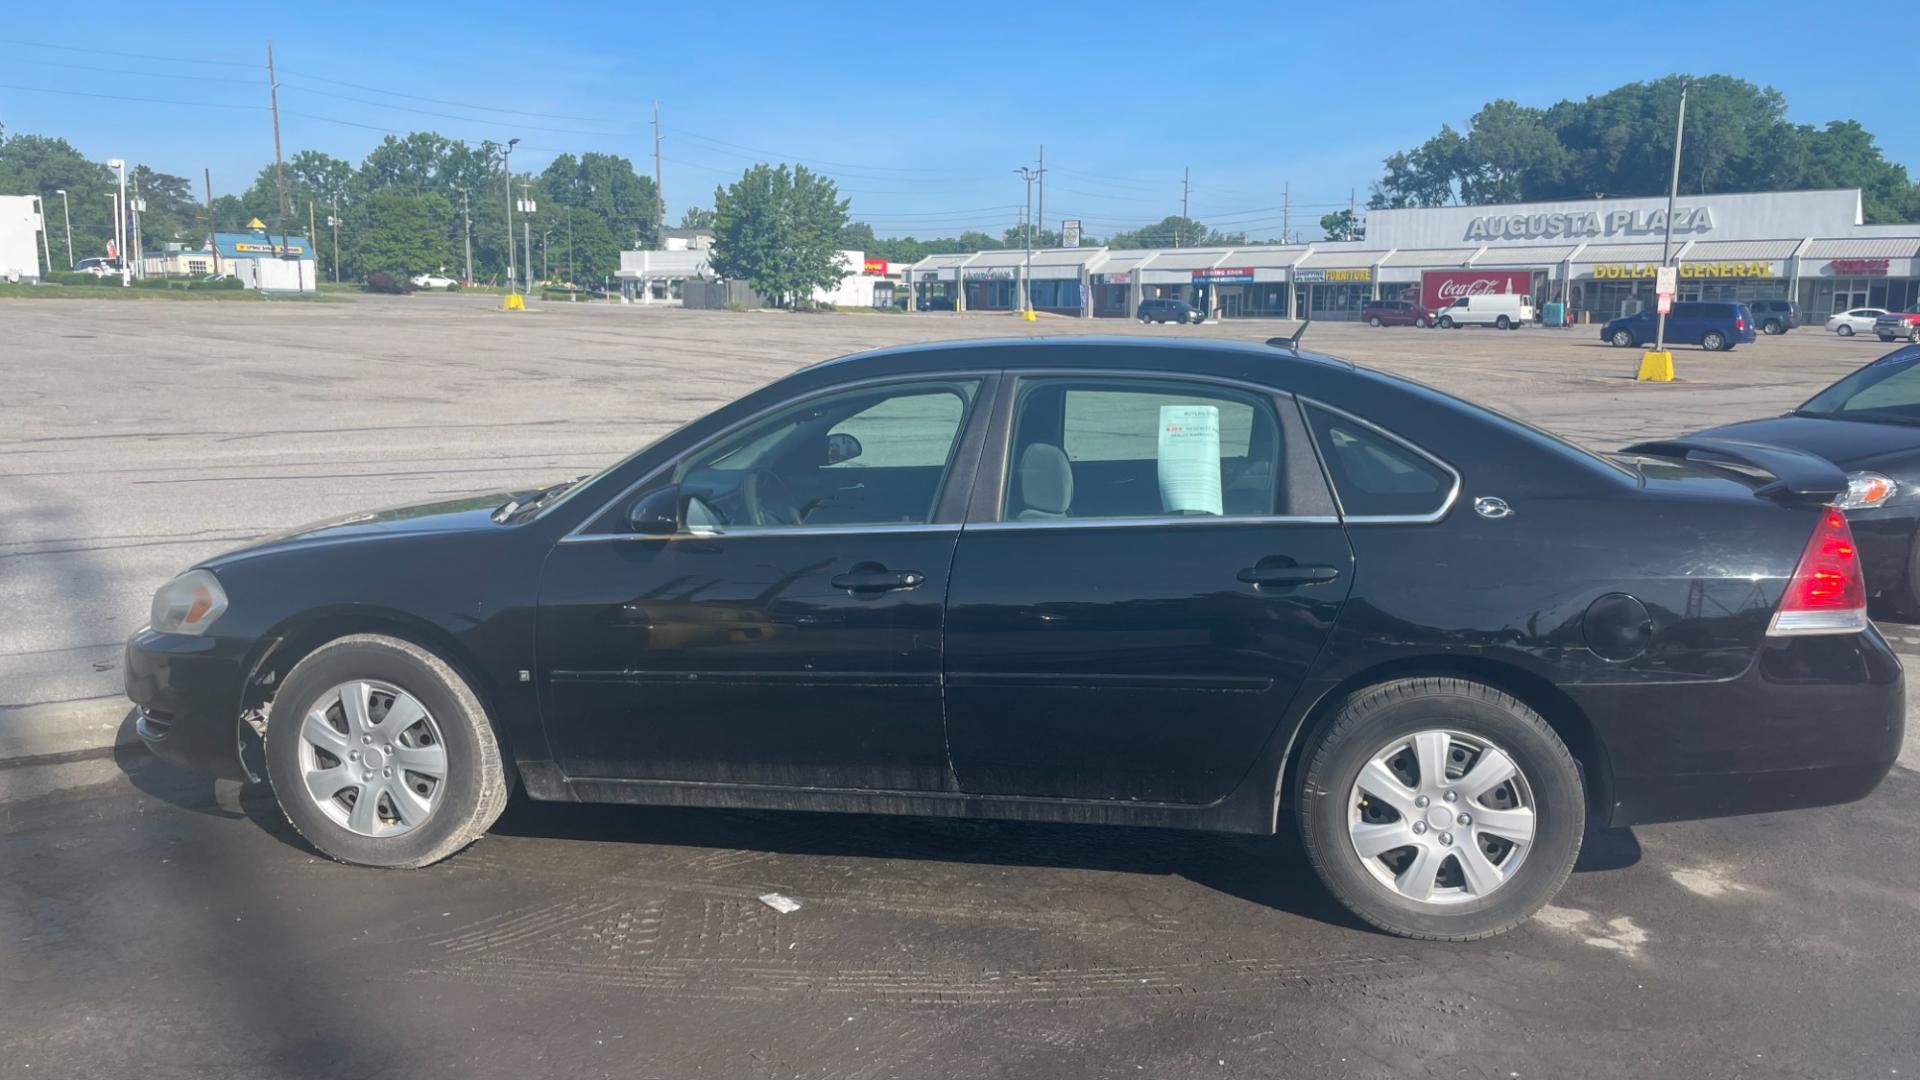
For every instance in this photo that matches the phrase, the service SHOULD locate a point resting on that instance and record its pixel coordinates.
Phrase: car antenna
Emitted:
(1292, 344)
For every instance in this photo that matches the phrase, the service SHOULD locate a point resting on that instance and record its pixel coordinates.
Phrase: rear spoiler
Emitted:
(1797, 476)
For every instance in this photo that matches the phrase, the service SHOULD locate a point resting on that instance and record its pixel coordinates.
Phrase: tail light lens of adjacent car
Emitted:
(1828, 592)
(1739, 324)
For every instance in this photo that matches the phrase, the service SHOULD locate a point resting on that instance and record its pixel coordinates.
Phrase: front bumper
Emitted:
(1815, 721)
(188, 690)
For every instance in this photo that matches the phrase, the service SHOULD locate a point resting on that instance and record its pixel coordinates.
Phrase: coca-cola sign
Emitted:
(1438, 288)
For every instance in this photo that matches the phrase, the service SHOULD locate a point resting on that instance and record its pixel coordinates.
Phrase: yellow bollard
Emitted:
(513, 302)
(1030, 315)
(1655, 367)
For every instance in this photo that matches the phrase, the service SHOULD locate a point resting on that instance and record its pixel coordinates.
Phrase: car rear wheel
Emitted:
(1441, 809)
(1446, 322)
(1623, 338)
(1913, 335)
(1884, 337)
(1144, 320)
(1374, 321)
(1844, 330)
(1772, 326)
(1503, 323)
(1713, 341)
(381, 754)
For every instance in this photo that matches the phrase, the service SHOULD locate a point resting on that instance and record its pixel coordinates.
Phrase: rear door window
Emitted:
(1376, 475)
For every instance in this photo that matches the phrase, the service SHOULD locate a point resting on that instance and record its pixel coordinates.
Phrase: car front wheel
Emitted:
(1713, 341)
(1446, 322)
(381, 754)
(1441, 809)
(1623, 338)
(1374, 322)
(1844, 330)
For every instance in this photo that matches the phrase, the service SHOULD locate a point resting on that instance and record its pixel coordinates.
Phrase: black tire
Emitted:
(1446, 322)
(1844, 330)
(1503, 323)
(1144, 320)
(1713, 341)
(1884, 337)
(1772, 326)
(1623, 339)
(1913, 335)
(476, 783)
(1374, 322)
(1371, 719)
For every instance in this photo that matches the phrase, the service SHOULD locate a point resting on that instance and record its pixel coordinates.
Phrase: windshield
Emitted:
(1885, 391)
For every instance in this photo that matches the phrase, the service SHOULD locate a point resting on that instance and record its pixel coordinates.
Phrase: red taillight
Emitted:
(1739, 323)
(1828, 593)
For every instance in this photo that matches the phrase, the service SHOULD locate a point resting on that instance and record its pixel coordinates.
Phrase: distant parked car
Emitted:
(96, 267)
(1396, 313)
(1899, 324)
(1858, 320)
(432, 281)
(1505, 311)
(1711, 324)
(1165, 310)
(1775, 316)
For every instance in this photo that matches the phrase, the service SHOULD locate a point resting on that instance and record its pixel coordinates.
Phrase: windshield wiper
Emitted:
(513, 508)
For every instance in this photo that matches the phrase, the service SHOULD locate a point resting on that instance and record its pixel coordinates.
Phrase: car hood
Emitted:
(1846, 443)
(468, 513)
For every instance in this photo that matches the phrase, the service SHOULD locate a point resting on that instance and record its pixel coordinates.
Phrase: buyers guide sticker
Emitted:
(1190, 459)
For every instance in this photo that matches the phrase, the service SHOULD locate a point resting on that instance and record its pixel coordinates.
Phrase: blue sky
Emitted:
(920, 112)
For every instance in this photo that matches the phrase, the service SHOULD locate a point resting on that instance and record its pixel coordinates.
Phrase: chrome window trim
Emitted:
(1275, 398)
(577, 535)
(1446, 505)
(765, 530)
(1151, 522)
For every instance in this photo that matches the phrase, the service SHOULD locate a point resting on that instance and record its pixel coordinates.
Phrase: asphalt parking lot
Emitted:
(155, 923)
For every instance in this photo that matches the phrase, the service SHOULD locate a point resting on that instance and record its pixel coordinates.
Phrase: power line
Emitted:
(126, 97)
(450, 116)
(139, 74)
(129, 55)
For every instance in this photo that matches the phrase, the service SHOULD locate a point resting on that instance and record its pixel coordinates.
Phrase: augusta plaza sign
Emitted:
(1588, 224)
(1438, 288)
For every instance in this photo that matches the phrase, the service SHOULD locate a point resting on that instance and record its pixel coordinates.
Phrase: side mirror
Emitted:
(656, 513)
(842, 447)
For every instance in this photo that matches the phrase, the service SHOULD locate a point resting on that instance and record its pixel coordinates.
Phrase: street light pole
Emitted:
(1026, 284)
(66, 211)
(1673, 191)
(506, 161)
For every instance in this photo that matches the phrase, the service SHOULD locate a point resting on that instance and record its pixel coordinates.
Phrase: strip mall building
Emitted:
(1597, 256)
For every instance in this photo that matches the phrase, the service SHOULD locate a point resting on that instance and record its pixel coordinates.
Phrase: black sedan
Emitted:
(1868, 424)
(1097, 581)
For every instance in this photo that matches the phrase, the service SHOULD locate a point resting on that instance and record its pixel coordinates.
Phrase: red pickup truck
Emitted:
(1899, 324)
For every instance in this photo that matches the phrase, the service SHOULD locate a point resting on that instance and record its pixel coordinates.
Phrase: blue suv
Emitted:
(1712, 325)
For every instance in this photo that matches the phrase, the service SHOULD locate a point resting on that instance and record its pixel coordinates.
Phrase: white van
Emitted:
(1507, 311)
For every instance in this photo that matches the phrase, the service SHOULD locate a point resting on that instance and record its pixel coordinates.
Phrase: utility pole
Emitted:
(133, 215)
(1043, 193)
(213, 226)
(1286, 213)
(279, 175)
(1351, 208)
(333, 221)
(1186, 189)
(466, 233)
(120, 221)
(506, 164)
(1673, 192)
(313, 235)
(571, 271)
(527, 208)
(659, 193)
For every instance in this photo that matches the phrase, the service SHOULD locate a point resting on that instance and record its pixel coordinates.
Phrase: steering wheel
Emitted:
(768, 499)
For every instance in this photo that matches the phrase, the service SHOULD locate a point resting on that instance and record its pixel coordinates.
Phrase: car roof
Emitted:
(1089, 351)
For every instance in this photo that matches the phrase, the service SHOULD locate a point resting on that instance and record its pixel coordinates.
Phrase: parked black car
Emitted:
(1774, 316)
(1868, 424)
(1166, 310)
(1082, 580)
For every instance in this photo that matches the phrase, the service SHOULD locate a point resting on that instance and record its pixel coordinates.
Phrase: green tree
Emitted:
(172, 214)
(696, 217)
(41, 165)
(596, 251)
(399, 233)
(1342, 225)
(779, 229)
(1175, 231)
(605, 184)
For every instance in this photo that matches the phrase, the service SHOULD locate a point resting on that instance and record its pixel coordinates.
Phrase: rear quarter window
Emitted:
(1376, 474)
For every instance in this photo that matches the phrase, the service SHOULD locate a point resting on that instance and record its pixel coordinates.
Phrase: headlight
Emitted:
(188, 604)
(1866, 489)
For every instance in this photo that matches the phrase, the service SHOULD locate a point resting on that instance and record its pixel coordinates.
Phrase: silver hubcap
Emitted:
(372, 759)
(1441, 817)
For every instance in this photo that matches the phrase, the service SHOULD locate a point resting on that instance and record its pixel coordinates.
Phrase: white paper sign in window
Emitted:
(1190, 459)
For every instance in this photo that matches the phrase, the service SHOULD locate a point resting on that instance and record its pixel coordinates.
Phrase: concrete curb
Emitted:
(67, 727)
